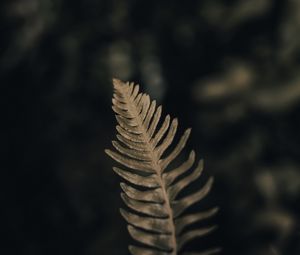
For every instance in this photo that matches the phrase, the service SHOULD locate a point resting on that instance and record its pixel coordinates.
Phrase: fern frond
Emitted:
(151, 190)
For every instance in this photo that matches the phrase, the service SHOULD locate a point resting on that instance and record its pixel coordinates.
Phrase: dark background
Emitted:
(229, 69)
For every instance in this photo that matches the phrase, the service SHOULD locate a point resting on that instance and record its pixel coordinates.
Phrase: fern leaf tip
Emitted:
(117, 83)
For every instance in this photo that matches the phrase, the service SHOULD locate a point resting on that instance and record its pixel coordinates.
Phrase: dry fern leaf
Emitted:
(155, 219)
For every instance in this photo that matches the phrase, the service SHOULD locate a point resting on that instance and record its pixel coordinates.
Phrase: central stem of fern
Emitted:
(157, 169)
(169, 210)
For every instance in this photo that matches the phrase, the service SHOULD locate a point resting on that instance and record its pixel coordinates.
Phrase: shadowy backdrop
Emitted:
(228, 69)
